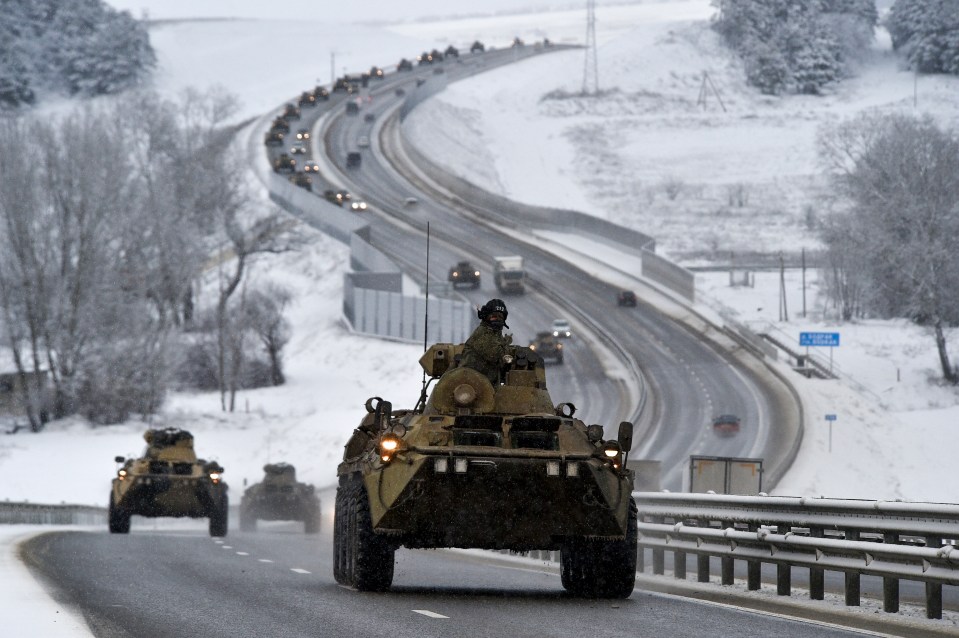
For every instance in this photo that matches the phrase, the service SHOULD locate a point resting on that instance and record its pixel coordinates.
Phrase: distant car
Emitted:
(547, 346)
(561, 329)
(338, 197)
(464, 273)
(311, 167)
(291, 112)
(626, 298)
(369, 117)
(726, 424)
(303, 134)
(376, 72)
(363, 142)
(298, 148)
(307, 99)
(352, 108)
(302, 180)
(284, 164)
(353, 159)
(410, 201)
(321, 93)
(358, 206)
(477, 47)
(273, 138)
(404, 65)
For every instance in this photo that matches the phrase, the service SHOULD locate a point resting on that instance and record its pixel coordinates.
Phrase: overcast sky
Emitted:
(352, 11)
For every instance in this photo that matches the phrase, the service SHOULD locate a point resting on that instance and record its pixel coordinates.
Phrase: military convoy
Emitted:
(168, 480)
(280, 497)
(482, 465)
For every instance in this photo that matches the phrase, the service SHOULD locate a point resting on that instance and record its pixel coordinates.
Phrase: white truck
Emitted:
(509, 275)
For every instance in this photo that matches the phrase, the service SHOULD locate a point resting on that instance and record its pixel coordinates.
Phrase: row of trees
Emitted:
(108, 219)
(796, 45)
(81, 47)
(892, 250)
(927, 33)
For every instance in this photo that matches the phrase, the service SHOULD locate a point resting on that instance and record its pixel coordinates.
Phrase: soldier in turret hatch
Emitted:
(487, 347)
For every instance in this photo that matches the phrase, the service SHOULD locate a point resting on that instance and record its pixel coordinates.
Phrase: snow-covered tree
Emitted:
(927, 33)
(901, 177)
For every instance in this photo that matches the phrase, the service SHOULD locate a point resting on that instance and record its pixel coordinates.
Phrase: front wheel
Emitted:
(367, 558)
(601, 569)
(118, 518)
(219, 517)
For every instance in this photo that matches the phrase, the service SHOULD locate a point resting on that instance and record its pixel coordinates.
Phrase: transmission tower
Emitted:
(590, 70)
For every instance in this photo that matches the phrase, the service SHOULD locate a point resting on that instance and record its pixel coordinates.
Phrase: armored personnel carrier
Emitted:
(492, 466)
(279, 497)
(168, 480)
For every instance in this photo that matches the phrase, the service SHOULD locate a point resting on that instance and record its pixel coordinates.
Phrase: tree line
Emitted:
(79, 47)
(109, 220)
(801, 46)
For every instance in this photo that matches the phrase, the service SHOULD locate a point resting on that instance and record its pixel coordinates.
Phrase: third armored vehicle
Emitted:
(279, 497)
(547, 346)
(168, 480)
(464, 273)
(491, 466)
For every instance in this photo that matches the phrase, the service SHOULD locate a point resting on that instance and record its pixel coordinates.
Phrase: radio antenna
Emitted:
(426, 313)
(421, 404)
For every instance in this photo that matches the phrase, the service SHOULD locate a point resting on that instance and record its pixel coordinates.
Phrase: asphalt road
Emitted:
(278, 582)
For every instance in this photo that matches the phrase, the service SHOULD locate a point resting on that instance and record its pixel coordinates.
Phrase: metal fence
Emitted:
(39, 514)
(892, 540)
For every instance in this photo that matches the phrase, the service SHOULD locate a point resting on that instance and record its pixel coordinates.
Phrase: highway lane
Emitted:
(278, 582)
(691, 381)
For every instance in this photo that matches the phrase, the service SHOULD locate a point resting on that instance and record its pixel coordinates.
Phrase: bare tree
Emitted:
(265, 311)
(901, 175)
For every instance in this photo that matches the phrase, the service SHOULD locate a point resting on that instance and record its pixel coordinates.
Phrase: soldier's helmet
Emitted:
(493, 313)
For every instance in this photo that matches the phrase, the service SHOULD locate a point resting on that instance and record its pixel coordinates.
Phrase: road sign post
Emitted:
(829, 419)
(820, 340)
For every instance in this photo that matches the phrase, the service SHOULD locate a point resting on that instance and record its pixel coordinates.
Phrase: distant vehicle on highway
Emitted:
(626, 298)
(298, 148)
(302, 180)
(369, 117)
(284, 164)
(311, 166)
(291, 112)
(561, 329)
(410, 201)
(303, 134)
(338, 197)
(404, 65)
(464, 273)
(477, 47)
(353, 159)
(547, 346)
(274, 138)
(358, 206)
(726, 425)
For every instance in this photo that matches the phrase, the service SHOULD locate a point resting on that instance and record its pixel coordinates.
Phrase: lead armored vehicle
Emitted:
(491, 466)
(168, 480)
(280, 497)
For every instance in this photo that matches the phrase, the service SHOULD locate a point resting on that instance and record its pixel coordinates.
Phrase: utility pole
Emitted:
(332, 68)
(590, 68)
(783, 311)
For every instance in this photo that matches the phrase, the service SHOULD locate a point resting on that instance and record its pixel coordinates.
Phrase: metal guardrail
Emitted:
(889, 539)
(40, 514)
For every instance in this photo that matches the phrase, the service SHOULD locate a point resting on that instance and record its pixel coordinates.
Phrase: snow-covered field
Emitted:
(619, 157)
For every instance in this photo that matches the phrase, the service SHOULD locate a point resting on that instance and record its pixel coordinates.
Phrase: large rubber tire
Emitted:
(219, 517)
(118, 519)
(339, 534)
(370, 558)
(601, 569)
(247, 520)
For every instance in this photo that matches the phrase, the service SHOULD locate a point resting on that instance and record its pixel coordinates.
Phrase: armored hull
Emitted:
(484, 466)
(280, 497)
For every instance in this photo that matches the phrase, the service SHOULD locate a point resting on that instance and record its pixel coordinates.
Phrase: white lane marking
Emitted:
(218, 542)
(265, 560)
(227, 547)
(426, 612)
(298, 570)
(242, 553)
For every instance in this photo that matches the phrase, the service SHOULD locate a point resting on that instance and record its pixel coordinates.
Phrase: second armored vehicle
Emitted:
(280, 497)
(168, 480)
(491, 466)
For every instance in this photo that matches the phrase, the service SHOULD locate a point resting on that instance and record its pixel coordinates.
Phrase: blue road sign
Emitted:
(830, 417)
(823, 339)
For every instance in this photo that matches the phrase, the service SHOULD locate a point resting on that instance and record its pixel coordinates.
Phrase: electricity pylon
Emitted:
(590, 69)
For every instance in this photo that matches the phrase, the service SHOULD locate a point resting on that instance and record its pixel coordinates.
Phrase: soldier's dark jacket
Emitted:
(484, 351)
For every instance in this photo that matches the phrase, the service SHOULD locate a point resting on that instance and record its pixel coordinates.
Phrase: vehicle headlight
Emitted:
(613, 454)
(215, 477)
(389, 446)
(122, 475)
(556, 333)
(476, 274)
